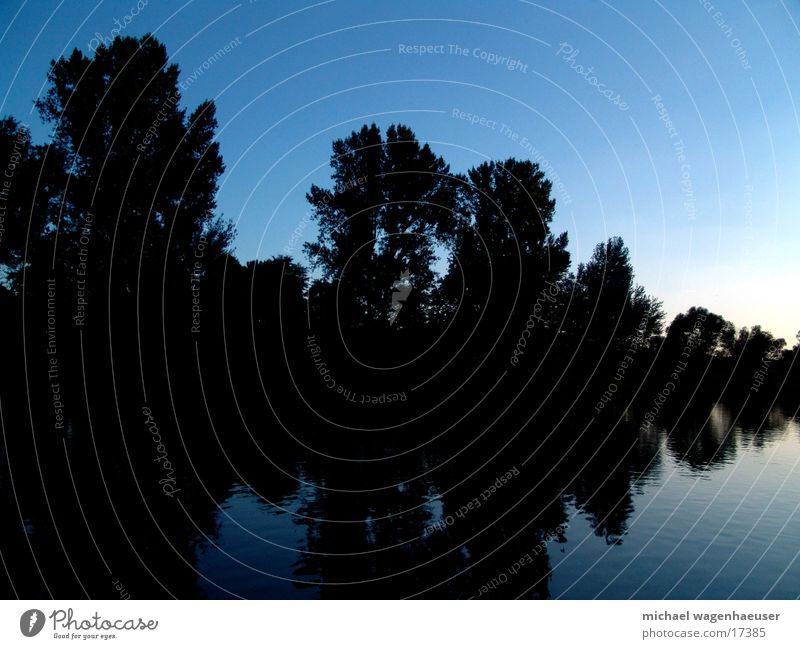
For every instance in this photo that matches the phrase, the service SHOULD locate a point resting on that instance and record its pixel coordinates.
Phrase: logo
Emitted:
(31, 622)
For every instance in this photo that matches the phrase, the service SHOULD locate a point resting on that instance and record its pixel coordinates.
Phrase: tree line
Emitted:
(416, 267)
(141, 357)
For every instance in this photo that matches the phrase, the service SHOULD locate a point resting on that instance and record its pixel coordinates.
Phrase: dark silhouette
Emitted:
(436, 352)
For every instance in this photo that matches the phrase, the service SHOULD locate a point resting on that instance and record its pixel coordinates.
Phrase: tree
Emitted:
(700, 330)
(29, 193)
(385, 216)
(502, 247)
(142, 174)
(270, 282)
(755, 348)
(608, 306)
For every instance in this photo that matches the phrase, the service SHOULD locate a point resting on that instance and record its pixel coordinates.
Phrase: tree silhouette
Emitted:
(757, 343)
(29, 196)
(266, 390)
(707, 333)
(608, 307)
(140, 170)
(502, 246)
(389, 209)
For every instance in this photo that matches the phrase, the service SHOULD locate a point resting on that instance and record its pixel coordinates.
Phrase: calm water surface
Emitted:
(709, 512)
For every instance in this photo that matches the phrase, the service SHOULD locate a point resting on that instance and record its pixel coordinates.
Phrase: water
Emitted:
(705, 511)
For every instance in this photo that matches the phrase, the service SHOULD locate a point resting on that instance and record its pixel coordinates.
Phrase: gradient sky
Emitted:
(713, 222)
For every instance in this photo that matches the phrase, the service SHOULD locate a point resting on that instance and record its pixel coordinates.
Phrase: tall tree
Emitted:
(29, 197)
(142, 173)
(502, 247)
(609, 307)
(381, 223)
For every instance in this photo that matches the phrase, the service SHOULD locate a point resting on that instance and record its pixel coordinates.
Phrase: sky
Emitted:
(675, 125)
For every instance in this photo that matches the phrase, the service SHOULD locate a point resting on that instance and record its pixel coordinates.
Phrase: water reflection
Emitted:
(704, 506)
(700, 507)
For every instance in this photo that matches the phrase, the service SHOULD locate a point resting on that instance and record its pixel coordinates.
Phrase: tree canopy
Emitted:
(136, 166)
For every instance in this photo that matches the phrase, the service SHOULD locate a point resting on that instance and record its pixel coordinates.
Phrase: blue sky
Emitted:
(708, 208)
